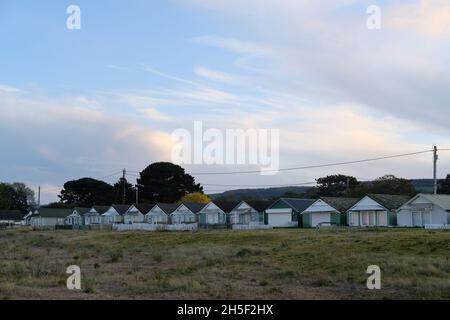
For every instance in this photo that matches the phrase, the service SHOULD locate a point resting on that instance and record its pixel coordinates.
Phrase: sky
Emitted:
(89, 102)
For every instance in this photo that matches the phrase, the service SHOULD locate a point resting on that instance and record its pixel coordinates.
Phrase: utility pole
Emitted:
(435, 159)
(137, 185)
(124, 181)
(39, 197)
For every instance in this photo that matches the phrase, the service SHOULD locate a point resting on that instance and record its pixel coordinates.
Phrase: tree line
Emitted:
(340, 185)
(348, 186)
(16, 196)
(158, 182)
(167, 182)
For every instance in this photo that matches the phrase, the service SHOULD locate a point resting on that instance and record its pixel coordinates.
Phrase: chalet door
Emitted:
(372, 218)
(426, 218)
(354, 219)
(382, 218)
(416, 219)
(364, 218)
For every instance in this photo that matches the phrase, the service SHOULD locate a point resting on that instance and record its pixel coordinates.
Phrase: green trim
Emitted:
(306, 219)
(391, 218)
(280, 204)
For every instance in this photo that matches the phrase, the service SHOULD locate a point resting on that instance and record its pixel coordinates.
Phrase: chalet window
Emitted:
(354, 218)
(372, 218)
(382, 218)
(364, 218)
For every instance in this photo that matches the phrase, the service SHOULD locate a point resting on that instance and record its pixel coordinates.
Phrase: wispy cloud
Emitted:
(8, 89)
(235, 45)
(428, 18)
(218, 76)
(116, 67)
(156, 115)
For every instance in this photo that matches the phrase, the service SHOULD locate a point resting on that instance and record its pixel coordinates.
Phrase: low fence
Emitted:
(155, 227)
(100, 226)
(250, 226)
(437, 226)
(213, 226)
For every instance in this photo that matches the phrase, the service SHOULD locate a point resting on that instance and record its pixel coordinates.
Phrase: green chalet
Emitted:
(287, 212)
(327, 211)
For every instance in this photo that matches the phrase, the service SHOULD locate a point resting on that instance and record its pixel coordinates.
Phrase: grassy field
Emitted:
(266, 264)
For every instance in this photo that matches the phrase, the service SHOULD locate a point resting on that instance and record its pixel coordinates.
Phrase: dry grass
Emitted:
(266, 264)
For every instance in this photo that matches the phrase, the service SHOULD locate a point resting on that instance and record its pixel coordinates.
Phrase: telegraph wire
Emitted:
(314, 166)
(258, 185)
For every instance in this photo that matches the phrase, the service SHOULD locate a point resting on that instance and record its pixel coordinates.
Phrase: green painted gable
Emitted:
(280, 204)
(54, 213)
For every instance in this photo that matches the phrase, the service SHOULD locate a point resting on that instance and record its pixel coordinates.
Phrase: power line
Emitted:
(258, 185)
(58, 187)
(110, 175)
(314, 166)
(132, 174)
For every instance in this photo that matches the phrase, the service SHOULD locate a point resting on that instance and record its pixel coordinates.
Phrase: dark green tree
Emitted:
(390, 184)
(17, 196)
(444, 185)
(4, 202)
(130, 192)
(292, 194)
(87, 192)
(335, 185)
(166, 182)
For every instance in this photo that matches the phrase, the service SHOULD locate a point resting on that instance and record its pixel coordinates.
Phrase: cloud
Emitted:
(8, 89)
(156, 115)
(336, 90)
(234, 45)
(217, 75)
(428, 18)
(323, 52)
(51, 140)
(115, 67)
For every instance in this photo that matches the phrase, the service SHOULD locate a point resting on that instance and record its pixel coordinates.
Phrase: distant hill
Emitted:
(260, 194)
(421, 185)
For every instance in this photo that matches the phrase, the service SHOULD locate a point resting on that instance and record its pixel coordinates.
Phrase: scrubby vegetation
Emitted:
(278, 264)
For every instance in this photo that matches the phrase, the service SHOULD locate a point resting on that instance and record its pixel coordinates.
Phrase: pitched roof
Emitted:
(390, 201)
(121, 208)
(440, 200)
(194, 207)
(81, 210)
(340, 204)
(299, 205)
(101, 209)
(144, 208)
(168, 208)
(14, 215)
(54, 213)
(259, 205)
(226, 206)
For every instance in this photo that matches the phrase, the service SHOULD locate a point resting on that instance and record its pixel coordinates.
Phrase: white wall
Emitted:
(436, 216)
(133, 218)
(244, 214)
(213, 214)
(156, 216)
(367, 218)
(280, 219)
(155, 227)
(319, 217)
(367, 203)
(46, 222)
